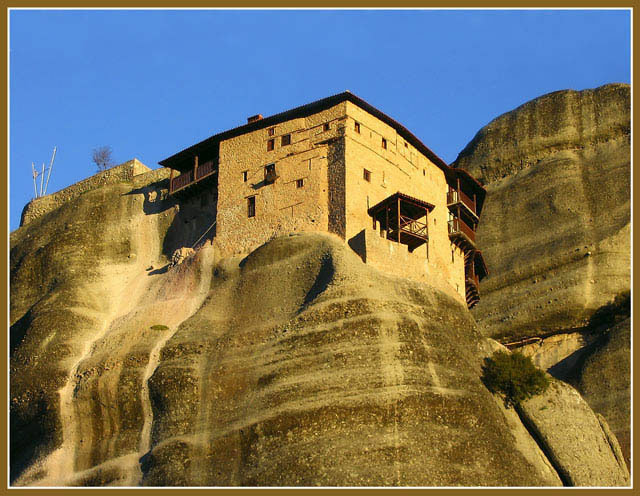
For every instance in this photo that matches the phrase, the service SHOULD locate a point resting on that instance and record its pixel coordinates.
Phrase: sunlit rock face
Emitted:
(555, 234)
(295, 365)
(555, 229)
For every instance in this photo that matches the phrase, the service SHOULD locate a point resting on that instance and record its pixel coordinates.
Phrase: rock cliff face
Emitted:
(296, 365)
(555, 233)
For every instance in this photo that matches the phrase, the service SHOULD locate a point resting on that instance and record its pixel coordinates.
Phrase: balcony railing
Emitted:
(458, 196)
(187, 178)
(460, 226)
(413, 226)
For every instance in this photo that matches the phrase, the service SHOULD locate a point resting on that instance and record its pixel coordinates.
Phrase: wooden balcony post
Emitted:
(475, 210)
(171, 181)
(195, 169)
(386, 209)
(398, 219)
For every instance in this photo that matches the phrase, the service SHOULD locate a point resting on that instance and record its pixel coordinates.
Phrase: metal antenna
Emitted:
(35, 177)
(42, 179)
(50, 167)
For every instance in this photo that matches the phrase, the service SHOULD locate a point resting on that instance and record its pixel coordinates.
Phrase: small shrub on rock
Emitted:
(513, 376)
(159, 327)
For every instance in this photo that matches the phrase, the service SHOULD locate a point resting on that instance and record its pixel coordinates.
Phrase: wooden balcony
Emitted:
(408, 231)
(192, 177)
(461, 234)
(459, 197)
(398, 216)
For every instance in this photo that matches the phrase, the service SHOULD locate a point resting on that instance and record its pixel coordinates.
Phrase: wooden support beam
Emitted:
(171, 181)
(398, 218)
(387, 224)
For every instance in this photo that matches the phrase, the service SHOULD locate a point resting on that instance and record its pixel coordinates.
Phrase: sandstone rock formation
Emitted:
(296, 365)
(555, 233)
(571, 435)
(605, 382)
(555, 230)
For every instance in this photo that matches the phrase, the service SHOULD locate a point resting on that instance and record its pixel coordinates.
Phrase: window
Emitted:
(405, 145)
(272, 131)
(251, 206)
(286, 139)
(270, 173)
(357, 127)
(424, 173)
(366, 175)
(384, 143)
(245, 176)
(326, 126)
(270, 144)
(299, 183)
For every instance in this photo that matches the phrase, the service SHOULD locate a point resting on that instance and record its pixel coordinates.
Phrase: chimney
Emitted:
(254, 118)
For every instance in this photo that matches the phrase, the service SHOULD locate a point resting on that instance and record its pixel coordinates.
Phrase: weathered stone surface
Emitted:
(573, 439)
(126, 172)
(298, 365)
(605, 382)
(555, 229)
(180, 255)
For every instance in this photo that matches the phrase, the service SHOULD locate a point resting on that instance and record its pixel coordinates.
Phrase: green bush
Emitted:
(159, 327)
(513, 376)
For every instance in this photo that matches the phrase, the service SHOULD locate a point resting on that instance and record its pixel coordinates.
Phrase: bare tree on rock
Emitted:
(102, 158)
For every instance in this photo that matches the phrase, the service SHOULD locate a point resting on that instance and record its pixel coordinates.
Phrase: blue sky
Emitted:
(150, 83)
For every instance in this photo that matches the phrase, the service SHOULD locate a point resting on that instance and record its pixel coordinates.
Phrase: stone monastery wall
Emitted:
(322, 186)
(398, 167)
(299, 198)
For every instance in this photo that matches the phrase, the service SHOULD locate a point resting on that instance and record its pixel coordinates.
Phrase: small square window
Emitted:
(357, 127)
(251, 206)
(326, 126)
(366, 175)
(299, 183)
(270, 173)
(286, 139)
(271, 144)
(384, 143)
(245, 176)
(272, 131)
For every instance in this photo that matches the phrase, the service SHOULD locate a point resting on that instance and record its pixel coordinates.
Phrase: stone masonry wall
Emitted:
(281, 207)
(394, 258)
(399, 167)
(45, 204)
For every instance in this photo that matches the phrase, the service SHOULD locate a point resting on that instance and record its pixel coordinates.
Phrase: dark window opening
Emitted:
(245, 176)
(286, 139)
(326, 126)
(384, 143)
(271, 144)
(270, 173)
(272, 131)
(251, 206)
(299, 183)
(367, 175)
(405, 145)
(357, 127)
